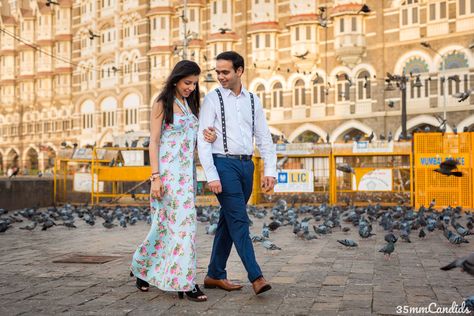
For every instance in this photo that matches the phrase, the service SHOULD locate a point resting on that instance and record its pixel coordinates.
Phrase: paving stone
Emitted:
(308, 278)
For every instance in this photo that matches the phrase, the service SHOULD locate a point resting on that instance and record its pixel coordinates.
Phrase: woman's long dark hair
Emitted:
(181, 70)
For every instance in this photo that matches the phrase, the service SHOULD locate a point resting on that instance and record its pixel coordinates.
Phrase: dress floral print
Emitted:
(167, 257)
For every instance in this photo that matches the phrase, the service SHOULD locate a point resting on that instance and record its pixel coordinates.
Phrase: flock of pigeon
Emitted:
(399, 220)
(68, 214)
(308, 222)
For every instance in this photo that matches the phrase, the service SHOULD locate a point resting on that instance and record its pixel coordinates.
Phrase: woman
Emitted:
(167, 257)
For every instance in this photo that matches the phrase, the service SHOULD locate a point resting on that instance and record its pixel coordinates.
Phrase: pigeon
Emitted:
(446, 168)
(211, 229)
(265, 231)
(344, 167)
(422, 234)
(465, 263)
(30, 226)
(469, 303)
(4, 226)
(454, 238)
(388, 249)
(274, 225)
(108, 224)
(347, 242)
(69, 224)
(257, 238)
(267, 244)
(390, 237)
(48, 224)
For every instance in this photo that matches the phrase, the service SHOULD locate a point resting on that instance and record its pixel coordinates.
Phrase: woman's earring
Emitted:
(174, 84)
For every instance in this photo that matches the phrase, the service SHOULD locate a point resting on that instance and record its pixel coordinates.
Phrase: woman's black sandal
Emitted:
(195, 295)
(140, 284)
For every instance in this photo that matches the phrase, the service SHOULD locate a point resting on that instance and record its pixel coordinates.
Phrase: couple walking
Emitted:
(224, 128)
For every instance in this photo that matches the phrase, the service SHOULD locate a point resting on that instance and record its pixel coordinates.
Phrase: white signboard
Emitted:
(376, 180)
(295, 181)
(133, 157)
(374, 147)
(200, 175)
(83, 182)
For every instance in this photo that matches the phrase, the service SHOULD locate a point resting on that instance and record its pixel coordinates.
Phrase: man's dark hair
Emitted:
(234, 57)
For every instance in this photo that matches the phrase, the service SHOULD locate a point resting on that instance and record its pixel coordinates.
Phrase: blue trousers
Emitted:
(237, 179)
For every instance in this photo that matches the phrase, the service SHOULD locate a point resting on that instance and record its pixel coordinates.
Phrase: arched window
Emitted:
(277, 95)
(418, 87)
(343, 87)
(87, 114)
(319, 91)
(456, 71)
(260, 91)
(363, 86)
(109, 110)
(131, 104)
(299, 93)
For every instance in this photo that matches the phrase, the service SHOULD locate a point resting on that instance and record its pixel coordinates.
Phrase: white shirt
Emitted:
(238, 122)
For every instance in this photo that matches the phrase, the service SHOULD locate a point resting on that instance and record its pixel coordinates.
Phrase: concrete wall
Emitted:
(25, 192)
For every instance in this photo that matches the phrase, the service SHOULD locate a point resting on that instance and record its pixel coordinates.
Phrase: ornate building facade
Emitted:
(86, 71)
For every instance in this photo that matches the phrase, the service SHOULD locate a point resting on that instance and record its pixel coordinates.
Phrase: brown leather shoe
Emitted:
(210, 283)
(260, 285)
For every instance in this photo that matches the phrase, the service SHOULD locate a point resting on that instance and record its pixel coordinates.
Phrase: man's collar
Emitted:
(228, 92)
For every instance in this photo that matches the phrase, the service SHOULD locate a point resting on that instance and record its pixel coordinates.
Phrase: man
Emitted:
(237, 117)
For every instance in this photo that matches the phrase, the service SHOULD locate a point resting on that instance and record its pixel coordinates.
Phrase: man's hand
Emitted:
(215, 186)
(268, 183)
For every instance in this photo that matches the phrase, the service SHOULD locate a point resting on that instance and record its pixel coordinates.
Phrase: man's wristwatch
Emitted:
(154, 176)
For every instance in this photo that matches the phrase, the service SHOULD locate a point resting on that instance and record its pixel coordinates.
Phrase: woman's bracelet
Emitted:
(154, 176)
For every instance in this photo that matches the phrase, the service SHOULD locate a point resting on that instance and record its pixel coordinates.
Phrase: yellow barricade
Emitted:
(302, 174)
(120, 175)
(430, 149)
(371, 172)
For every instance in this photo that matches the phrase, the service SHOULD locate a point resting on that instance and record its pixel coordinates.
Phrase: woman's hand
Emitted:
(157, 189)
(210, 135)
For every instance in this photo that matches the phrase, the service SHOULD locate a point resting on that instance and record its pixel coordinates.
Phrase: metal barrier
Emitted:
(377, 172)
(120, 174)
(303, 175)
(430, 149)
(66, 189)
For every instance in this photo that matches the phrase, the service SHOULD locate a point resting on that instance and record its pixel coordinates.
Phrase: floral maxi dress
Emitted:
(167, 257)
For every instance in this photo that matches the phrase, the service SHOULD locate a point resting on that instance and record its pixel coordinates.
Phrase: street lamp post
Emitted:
(402, 85)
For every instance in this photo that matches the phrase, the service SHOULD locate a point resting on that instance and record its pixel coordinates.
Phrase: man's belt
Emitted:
(238, 157)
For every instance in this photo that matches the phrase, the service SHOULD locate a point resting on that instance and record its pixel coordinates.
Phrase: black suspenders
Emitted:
(224, 133)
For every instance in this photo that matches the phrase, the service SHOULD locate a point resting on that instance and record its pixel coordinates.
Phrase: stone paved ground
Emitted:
(318, 277)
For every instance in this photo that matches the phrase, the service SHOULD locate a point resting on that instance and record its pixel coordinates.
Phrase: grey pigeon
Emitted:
(348, 242)
(30, 226)
(465, 263)
(267, 244)
(108, 224)
(388, 249)
(211, 229)
(469, 303)
(257, 238)
(344, 167)
(390, 237)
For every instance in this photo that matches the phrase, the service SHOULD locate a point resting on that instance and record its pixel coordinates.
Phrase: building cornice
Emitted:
(302, 18)
(161, 10)
(63, 70)
(160, 49)
(226, 37)
(63, 37)
(270, 26)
